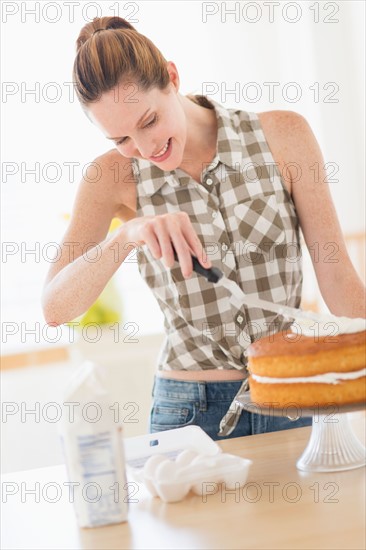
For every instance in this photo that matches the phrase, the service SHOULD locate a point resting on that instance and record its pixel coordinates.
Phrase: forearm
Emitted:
(344, 292)
(76, 287)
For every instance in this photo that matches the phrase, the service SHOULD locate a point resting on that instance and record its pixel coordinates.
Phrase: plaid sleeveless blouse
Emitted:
(246, 220)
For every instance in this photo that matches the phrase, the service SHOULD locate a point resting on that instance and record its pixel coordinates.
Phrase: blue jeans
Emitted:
(177, 404)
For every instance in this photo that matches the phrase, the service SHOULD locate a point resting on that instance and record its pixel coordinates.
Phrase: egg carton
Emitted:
(169, 443)
(173, 462)
(172, 480)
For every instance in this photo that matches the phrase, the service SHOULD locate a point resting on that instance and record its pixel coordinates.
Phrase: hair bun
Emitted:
(107, 23)
(118, 23)
(102, 24)
(104, 60)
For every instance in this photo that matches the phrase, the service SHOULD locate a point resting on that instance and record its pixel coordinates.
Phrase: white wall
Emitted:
(217, 50)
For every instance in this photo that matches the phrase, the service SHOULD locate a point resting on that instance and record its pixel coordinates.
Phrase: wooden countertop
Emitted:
(279, 507)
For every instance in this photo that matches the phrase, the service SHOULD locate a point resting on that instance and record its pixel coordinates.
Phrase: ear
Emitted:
(173, 74)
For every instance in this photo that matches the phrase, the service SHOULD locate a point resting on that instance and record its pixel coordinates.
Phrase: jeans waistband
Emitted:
(199, 392)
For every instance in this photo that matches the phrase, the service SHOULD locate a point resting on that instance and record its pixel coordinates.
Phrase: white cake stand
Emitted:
(332, 446)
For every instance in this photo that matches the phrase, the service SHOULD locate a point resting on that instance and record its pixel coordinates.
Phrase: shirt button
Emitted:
(214, 214)
(240, 319)
(209, 181)
(224, 246)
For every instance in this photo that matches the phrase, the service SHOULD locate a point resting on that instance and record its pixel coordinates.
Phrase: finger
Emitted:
(165, 244)
(170, 236)
(152, 242)
(192, 240)
(196, 247)
(184, 254)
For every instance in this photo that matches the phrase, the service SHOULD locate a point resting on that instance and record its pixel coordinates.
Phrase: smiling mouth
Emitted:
(162, 151)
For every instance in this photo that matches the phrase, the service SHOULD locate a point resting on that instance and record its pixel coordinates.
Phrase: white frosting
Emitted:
(328, 378)
(328, 325)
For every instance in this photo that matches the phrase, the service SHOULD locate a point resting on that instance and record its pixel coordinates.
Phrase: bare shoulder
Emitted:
(281, 130)
(119, 178)
(291, 135)
(282, 127)
(281, 120)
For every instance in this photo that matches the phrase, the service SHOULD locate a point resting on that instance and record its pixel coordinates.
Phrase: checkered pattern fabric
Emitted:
(246, 220)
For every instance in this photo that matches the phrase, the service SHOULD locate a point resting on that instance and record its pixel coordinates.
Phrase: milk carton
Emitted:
(93, 449)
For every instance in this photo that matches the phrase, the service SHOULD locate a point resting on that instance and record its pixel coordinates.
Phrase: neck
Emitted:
(201, 134)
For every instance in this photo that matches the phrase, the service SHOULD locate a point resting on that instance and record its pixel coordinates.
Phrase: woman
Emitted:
(189, 173)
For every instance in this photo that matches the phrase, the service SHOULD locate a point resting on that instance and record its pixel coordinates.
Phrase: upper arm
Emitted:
(97, 201)
(311, 195)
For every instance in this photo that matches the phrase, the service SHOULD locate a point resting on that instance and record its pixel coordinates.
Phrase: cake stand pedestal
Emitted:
(332, 446)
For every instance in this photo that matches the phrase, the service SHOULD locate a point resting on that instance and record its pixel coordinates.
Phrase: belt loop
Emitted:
(202, 396)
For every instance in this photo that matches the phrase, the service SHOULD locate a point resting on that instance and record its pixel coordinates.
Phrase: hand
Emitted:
(160, 232)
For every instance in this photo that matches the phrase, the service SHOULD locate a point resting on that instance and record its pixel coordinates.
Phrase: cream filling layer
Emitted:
(328, 378)
(328, 325)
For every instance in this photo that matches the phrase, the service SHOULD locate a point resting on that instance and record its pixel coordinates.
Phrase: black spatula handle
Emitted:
(212, 275)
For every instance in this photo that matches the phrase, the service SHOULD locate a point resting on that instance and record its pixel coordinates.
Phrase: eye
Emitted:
(151, 123)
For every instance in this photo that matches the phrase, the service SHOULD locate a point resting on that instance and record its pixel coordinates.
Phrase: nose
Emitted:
(144, 148)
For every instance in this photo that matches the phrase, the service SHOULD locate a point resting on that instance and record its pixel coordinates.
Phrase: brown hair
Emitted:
(109, 50)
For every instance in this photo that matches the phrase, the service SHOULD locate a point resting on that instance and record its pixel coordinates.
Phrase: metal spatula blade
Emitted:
(239, 298)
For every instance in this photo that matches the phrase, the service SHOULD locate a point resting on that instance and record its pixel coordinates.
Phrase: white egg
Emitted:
(166, 472)
(185, 457)
(151, 465)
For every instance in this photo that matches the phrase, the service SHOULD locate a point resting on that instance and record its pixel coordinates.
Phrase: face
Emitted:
(150, 125)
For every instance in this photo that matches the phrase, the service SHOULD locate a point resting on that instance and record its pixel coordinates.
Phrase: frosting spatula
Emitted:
(238, 297)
